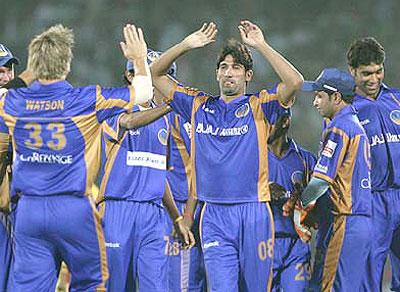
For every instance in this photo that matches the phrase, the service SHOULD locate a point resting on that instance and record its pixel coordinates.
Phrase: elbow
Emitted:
(297, 82)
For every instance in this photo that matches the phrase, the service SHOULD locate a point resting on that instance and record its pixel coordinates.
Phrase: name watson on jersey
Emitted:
(47, 105)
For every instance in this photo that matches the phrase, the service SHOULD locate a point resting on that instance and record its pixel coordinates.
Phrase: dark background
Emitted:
(311, 34)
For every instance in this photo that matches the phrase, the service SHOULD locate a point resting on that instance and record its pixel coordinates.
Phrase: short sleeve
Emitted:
(332, 155)
(113, 101)
(182, 100)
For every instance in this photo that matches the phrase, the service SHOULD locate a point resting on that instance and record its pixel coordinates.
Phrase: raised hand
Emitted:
(202, 37)
(135, 46)
(251, 34)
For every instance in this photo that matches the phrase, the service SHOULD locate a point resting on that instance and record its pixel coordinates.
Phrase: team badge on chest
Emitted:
(163, 136)
(242, 111)
(395, 117)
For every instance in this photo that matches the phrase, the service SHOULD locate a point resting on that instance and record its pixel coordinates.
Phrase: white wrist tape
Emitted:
(143, 88)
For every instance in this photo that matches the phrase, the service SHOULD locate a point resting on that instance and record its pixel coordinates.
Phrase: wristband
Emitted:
(180, 218)
(188, 215)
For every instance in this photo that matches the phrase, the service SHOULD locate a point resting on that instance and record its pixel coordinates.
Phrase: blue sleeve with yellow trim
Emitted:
(270, 104)
(113, 101)
(182, 100)
(3, 126)
(331, 156)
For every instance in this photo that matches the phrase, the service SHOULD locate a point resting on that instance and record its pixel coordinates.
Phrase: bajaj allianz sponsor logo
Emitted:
(216, 131)
(384, 138)
(147, 159)
(46, 158)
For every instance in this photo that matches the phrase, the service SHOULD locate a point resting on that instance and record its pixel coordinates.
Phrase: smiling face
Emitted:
(232, 77)
(368, 79)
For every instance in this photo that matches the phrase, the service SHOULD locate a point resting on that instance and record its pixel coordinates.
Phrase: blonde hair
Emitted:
(50, 53)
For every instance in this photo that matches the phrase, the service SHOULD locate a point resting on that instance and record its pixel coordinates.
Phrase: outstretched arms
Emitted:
(292, 80)
(159, 68)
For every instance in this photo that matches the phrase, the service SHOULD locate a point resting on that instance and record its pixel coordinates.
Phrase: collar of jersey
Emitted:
(383, 90)
(55, 85)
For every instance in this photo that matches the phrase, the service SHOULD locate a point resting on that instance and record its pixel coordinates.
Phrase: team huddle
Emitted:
(197, 192)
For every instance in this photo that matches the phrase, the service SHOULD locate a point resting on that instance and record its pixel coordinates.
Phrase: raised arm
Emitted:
(159, 68)
(135, 50)
(292, 80)
(143, 118)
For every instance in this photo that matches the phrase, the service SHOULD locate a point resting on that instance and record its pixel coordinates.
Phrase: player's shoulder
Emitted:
(266, 92)
(303, 152)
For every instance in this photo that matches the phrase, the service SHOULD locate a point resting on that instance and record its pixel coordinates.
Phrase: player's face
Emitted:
(368, 79)
(324, 104)
(232, 77)
(6, 75)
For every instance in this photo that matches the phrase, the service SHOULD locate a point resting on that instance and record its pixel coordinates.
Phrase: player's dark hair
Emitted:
(279, 127)
(240, 53)
(365, 51)
(346, 98)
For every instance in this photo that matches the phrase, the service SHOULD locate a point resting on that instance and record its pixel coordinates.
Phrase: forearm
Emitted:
(4, 182)
(191, 205)
(143, 118)
(161, 66)
(169, 203)
(314, 190)
(141, 82)
(292, 79)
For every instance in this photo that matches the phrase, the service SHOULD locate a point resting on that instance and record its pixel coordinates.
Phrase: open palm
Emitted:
(250, 33)
(202, 37)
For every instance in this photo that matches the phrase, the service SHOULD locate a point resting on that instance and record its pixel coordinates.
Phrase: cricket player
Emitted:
(186, 271)
(134, 192)
(7, 63)
(378, 109)
(55, 130)
(343, 167)
(229, 154)
(290, 169)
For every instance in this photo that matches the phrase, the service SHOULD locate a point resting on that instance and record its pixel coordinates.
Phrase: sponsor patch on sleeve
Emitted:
(321, 168)
(329, 148)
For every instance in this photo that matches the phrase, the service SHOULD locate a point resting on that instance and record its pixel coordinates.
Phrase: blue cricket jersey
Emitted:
(136, 161)
(381, 121)
(55, 130)
(294, 167)
(229, 143)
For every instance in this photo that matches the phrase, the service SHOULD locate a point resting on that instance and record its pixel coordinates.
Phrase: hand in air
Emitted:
(202, 37)
(135, 46)
(251, 34)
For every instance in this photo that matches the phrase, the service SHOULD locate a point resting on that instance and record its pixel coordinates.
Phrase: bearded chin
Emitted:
(230, 91)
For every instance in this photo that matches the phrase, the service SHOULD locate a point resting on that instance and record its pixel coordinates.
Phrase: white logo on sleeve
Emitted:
(329, 149)
(321, 168)
(188, 128)
(138, 158)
